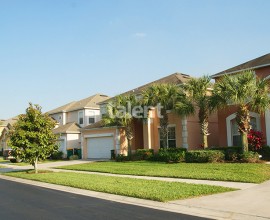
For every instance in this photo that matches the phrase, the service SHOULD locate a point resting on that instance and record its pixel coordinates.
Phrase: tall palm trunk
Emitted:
(164, 127)
(130, 136)
(242, 120)
(203, 120)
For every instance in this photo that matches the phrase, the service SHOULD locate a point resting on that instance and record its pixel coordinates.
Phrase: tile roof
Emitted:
(67, 128)
(252, 64)
(175, 78)
(89, 102)
(10, 121)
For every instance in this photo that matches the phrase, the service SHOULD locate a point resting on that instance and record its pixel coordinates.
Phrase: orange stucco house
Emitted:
(97, 140)
(228, 132)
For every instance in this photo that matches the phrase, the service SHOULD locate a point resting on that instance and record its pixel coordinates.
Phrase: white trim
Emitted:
(98, 135)
(229, 127)
(267, 125)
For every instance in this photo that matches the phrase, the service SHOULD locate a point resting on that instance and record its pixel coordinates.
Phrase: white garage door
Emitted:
(99, 147)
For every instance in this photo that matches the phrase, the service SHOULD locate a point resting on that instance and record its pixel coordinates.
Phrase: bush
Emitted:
(255, 140)
(74, 157)
(250, 157)
(231, 153)
(204, 156)
(58, 155)
(174, 155)
(143, 154)
(265, 152)
(122, 158)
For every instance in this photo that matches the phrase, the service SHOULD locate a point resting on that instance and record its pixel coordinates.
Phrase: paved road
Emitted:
(25, 202)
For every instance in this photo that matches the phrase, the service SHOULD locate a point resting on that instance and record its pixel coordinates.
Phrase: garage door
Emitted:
(99, 147)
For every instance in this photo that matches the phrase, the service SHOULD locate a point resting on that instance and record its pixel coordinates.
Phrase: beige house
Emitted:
(5, 126)
(98, 140)
(74, 116)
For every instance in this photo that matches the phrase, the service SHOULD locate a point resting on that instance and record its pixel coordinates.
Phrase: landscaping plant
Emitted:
(31, 137)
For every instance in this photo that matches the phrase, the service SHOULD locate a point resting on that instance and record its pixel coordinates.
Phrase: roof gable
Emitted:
(175, 78)
(259, 62)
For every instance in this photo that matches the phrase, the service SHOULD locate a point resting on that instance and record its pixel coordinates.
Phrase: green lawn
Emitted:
(145, 189)
(236, 172)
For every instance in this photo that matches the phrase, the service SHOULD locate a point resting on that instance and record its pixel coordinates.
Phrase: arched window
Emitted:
(233, 135)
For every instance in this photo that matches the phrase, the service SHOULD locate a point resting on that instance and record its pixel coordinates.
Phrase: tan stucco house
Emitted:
(98, 140)
(228, 132)
(5, 126)
(74, 116)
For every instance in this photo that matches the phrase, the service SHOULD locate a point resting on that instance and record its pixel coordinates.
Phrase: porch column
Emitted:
(147, 134)
(117, 141)
(184, 132)
(267, 125)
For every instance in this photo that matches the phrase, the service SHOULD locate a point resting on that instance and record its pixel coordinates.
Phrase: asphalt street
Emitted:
(25, 202)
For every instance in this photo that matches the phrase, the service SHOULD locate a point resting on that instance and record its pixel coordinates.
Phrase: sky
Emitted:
(53, 52)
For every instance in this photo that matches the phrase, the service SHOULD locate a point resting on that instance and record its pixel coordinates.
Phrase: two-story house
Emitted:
(5, 126)
(228, 131)
(74, 116)
(98, 140)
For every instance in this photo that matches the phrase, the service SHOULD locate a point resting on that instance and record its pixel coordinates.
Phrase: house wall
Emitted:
(223, 114)
(73, 141)
(73, 116)
(58, 117)
(194, 135)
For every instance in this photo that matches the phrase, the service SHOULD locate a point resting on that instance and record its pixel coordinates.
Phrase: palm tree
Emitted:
(246, 92)
(117, 115)
(198, 92)
(169, 97)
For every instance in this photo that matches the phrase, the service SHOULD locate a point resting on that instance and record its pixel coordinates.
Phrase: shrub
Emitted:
(174, 155)
(265, 152)
(58, 155)
(250, 157)
(204, 156)
(255, 140)
(121, 158)
(74, 157)
(231, 153)
(143, 154)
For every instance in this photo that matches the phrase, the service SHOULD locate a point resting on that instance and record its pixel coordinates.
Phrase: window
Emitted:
(236, 137)
(80, 118)
(59, 117)
(91, 119)
(171, 140)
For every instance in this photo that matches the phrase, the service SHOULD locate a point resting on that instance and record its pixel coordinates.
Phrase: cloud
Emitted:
(140, 34)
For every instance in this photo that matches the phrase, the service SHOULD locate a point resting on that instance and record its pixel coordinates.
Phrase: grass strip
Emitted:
(145, 189)
(235, 172)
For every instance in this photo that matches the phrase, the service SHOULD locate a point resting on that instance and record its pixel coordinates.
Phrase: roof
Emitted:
(67, 128)
(175, 78)
(63, 108)
(10, 121)
(90, 102)
(256, 63)
(97, 125)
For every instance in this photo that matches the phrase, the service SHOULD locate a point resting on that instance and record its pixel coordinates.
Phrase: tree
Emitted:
(31, 137)
(118, 115)
(169, 97)
(198, 92)
(246, 92)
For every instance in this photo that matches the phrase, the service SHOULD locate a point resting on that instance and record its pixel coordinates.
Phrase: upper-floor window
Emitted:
(91, 119)
(80, 117)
